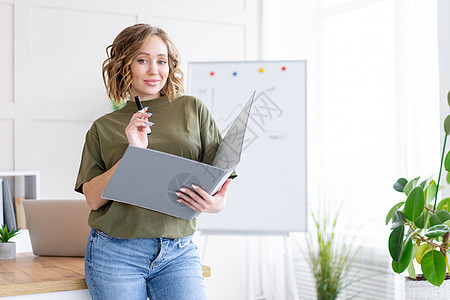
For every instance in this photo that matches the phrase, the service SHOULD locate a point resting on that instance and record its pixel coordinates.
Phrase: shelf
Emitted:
(28, 179)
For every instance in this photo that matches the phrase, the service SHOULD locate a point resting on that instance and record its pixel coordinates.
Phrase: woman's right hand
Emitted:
(135, 136)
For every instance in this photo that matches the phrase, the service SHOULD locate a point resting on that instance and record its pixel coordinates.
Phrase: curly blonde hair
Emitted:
(126, 46)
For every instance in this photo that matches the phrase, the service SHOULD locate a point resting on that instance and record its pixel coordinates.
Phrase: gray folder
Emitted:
(150, 178)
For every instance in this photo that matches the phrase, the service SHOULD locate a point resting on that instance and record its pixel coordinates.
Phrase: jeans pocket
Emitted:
(87, 254)
(107, 236)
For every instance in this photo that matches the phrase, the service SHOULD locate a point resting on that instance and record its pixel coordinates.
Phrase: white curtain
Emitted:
(373, 102)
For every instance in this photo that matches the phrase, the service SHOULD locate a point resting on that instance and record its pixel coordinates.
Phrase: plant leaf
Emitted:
(439, 227)
(399, 216)
(424, 184)
(437, 230)
(448, 178)
(414, 205)
(398, 219)
(411, 271)
(6, 235)
(447, 126)
(397, 224)
(433, 267)
(395, 242)
(443, 204)
(447, 159)
(421, 251)
(420, 222)
(405, 257)
(410, 185)
(392, 210)
(430, 192)
(400, 184)
(439, 217)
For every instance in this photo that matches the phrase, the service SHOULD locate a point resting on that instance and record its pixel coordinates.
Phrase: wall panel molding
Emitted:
(7, 142)
(201, 14)
(100, 6)
(6, 52)
(22, 84)
(7, 111)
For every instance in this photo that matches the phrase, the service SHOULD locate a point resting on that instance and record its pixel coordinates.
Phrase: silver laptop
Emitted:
(150, 178)
(57, 227)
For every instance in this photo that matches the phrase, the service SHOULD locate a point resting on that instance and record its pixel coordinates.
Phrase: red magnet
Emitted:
(212, 73)
(283, 69)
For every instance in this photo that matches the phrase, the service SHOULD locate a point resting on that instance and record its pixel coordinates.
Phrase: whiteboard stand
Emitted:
(290, 289)
(249, 271)
(205, 244)
(290, 282)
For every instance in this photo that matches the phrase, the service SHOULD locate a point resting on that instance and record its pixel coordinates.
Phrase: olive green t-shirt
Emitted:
(183, 127)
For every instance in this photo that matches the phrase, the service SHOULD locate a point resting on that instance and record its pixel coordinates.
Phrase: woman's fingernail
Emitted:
(194, 186)
(145, 107)
(179, 200)
(178, 194)
(149, 114)
(147, 125)
(183, 190)
(151, 123)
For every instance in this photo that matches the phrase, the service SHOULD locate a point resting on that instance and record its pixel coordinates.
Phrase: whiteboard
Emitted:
(269, 195)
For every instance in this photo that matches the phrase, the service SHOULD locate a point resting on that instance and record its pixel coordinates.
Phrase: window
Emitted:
(373, 109)
(379, 105)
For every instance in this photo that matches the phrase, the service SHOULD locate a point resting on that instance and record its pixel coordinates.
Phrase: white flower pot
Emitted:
(7, 250)
(421, 289)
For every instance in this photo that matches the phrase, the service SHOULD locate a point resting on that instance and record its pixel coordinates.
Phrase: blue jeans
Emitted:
(160, 268)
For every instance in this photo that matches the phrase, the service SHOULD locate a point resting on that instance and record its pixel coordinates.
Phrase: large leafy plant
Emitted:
(421, 225)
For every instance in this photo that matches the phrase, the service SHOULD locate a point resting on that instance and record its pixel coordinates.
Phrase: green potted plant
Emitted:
(420, 227)
(7, 247)
(329, 258)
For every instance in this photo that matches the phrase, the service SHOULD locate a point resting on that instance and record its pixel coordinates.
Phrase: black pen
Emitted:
(141, 109)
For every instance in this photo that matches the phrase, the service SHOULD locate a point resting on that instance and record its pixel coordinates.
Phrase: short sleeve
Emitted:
(92, 163)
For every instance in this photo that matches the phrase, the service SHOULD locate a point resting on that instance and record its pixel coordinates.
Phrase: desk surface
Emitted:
(30, 274)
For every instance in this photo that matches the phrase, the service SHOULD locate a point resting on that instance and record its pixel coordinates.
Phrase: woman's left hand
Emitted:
(201, 201)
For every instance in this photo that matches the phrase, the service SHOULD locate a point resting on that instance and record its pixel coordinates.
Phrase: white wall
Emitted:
(444, 58)
(444, 71)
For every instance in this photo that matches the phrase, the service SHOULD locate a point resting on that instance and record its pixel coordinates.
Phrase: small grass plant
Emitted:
(6, 235)
(328, 258)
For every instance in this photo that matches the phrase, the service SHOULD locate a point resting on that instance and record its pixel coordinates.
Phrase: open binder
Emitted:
(157, 192)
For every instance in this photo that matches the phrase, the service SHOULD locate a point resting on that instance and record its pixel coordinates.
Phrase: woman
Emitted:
(132, 252)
